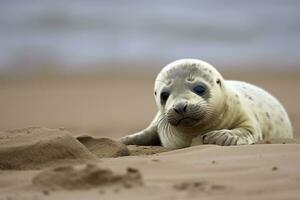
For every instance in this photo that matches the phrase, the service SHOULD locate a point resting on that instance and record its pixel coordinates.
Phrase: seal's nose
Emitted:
(180, 108)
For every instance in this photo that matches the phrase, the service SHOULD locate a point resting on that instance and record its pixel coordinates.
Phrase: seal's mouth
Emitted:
(186, 121)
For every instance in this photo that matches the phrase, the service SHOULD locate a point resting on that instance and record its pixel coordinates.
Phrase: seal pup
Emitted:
(194, 100)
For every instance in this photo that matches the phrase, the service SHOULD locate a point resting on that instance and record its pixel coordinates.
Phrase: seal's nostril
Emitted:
(177, 111)
(185, 106)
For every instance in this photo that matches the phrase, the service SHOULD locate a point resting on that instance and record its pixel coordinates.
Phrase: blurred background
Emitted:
(90, 65)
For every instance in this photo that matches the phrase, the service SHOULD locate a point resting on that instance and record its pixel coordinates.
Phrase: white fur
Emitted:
(236, 113)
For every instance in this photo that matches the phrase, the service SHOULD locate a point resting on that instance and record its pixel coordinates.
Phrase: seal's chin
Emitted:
(185, 122)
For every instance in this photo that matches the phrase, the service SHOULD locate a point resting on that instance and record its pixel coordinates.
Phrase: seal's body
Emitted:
(194, 100)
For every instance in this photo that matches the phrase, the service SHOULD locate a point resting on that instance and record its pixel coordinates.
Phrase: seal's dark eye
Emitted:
(164, 96)
(200, 90)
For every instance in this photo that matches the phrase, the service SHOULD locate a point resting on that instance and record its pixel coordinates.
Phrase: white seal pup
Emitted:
(194, 100)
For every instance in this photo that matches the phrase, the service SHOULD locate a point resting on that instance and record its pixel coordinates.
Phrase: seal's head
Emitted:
(189, 92)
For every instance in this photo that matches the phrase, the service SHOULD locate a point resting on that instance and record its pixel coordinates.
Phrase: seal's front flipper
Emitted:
(225, 137)
(147, 137)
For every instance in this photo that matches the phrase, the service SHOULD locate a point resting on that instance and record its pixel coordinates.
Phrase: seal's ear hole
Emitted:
(155, 93)
(218, 82)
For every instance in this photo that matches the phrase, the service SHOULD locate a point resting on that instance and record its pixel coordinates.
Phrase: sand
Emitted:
(35, 148)
(84, 160)
(104, 147)
(85, 177)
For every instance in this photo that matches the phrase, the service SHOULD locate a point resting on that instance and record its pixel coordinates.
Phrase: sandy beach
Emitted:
(58, 141)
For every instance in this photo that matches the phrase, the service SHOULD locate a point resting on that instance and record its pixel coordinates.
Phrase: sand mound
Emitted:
(85, 177)
(104, 147)
(108, 148)
(35, 147)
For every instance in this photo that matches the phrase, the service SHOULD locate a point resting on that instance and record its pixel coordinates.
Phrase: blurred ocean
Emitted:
(76, 34)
